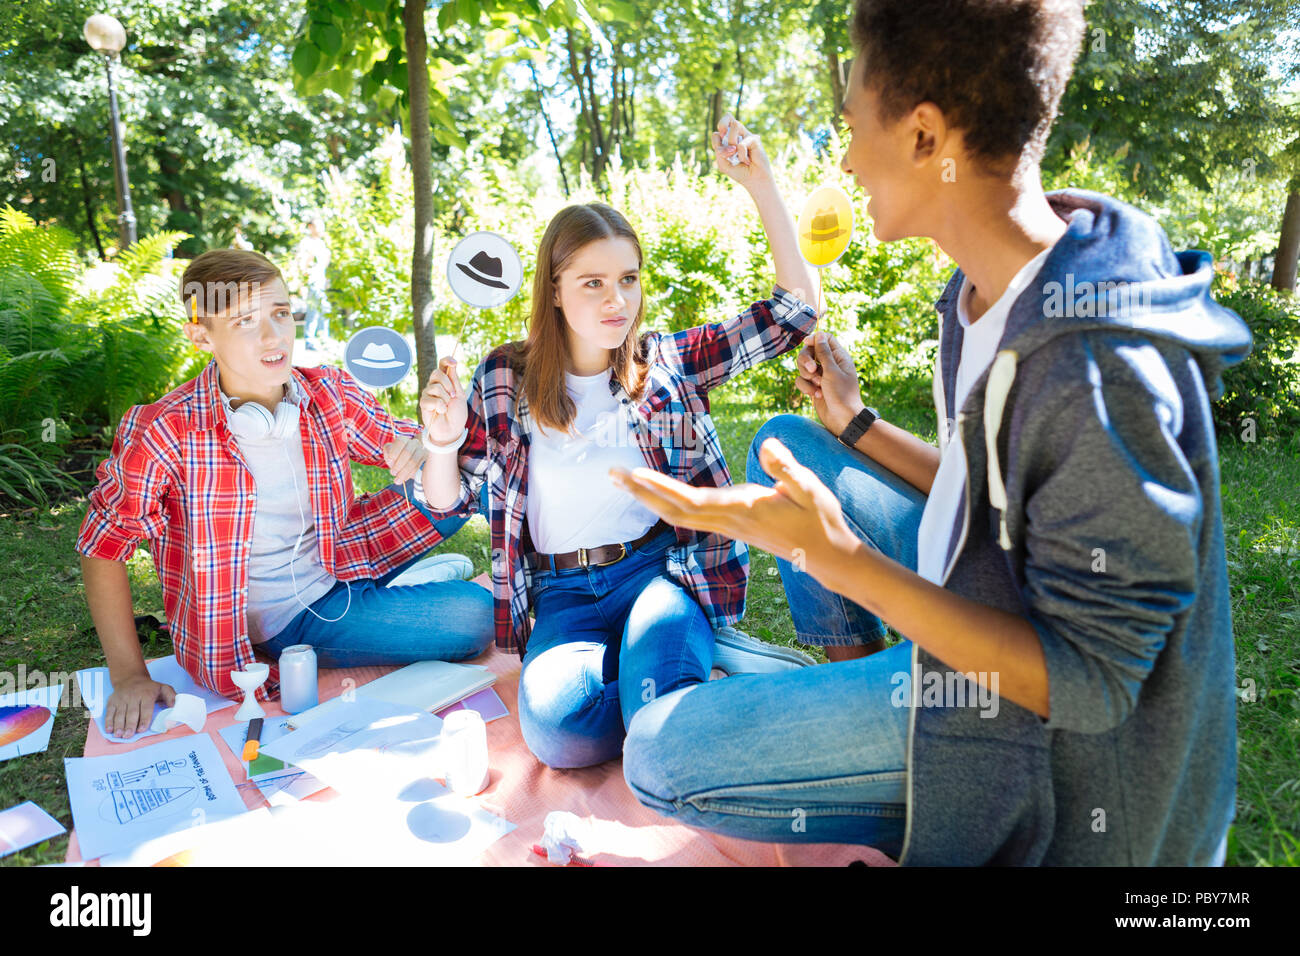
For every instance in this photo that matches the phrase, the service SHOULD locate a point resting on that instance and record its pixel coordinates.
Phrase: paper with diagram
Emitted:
(362, 745)
(233, 841)
(278, 781)
(120, 800)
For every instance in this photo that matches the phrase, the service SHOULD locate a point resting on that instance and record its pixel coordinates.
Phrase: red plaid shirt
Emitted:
(176, 478)
(676, 437)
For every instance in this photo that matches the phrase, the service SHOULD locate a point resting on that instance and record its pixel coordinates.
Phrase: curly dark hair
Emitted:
(997, 68)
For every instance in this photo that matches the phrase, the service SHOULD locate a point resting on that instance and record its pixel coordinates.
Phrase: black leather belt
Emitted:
(593, 557)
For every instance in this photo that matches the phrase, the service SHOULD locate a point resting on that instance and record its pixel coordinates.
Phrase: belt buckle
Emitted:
(583, 561)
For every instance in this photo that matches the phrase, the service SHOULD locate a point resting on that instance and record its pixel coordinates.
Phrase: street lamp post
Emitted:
(107, 36)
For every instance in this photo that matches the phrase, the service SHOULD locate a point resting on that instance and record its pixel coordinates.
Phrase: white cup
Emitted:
(464, 751)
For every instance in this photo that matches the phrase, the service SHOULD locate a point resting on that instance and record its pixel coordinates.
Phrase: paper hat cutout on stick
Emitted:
(484, 270)
(825, 226)
(378, 356)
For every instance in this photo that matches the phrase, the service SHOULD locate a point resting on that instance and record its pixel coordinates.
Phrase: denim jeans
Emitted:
(608, 641)
(814, 755)
(382, 621)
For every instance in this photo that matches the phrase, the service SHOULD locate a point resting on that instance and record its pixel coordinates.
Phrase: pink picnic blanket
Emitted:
(523, 790)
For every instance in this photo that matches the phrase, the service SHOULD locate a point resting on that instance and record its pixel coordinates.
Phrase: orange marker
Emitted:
(253, 739)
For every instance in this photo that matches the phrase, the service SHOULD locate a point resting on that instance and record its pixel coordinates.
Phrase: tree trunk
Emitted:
(417, 72)
(739, 21)
(588, 107)
(837, 86)
(629, 96)
(615, 101)
(541, 103)
(85, 201)
(1288, 243)
(715, 114)
(169, 166)
(599, 145)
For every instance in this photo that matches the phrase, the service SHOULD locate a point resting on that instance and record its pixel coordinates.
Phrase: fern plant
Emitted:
(39, 272)
(132, 321)
(78, 345)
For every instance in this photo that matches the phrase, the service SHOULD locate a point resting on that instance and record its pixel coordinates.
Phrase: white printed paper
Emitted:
(282, 784)
(384, 762)
(26, 825)
(122, 799)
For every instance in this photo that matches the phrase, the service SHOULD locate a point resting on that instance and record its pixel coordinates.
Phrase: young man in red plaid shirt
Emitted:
(240, 481)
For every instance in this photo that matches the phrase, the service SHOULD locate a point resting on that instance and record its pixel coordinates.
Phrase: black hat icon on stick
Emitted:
(484, 269)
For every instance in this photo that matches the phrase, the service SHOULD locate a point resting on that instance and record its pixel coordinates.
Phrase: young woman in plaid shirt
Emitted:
(626, 606)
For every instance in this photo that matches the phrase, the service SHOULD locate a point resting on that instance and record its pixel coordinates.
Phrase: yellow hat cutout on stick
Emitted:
(825, 226)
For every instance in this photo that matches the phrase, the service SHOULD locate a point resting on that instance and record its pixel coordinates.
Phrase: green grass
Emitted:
(1262, 534)
(44, 623)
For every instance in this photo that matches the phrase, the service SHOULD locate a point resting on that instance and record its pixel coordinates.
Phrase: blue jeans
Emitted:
(608, 641)
(881, 509)
(386, 622)
(813, 755)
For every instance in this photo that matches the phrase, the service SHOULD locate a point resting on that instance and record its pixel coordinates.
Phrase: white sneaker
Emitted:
(435, 569)
(737, 653)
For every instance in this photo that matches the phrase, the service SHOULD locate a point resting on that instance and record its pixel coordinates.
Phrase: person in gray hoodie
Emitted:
(1064, 693)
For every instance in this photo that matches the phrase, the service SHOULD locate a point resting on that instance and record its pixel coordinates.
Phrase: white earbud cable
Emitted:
(302, 516)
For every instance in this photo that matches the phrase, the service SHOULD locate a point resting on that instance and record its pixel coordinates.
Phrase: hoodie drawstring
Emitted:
(1001, 376)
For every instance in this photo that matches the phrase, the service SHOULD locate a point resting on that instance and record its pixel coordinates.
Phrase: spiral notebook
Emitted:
(424, 685)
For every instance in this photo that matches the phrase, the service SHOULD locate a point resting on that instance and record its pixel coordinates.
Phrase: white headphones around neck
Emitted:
(252, 420)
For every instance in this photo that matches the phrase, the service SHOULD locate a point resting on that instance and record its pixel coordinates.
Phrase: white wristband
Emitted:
(437, 449)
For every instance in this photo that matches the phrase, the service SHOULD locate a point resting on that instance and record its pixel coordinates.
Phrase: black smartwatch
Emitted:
(855, 429)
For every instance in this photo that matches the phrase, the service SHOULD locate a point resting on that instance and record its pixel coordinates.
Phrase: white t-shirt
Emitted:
(277, 465)
(314, 249)
(978, 348)
(571, 501)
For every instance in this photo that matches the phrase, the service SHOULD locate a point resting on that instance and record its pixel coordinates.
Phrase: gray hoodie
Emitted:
(1092, 509)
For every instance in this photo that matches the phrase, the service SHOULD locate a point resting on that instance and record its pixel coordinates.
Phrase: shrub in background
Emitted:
(1265, 387)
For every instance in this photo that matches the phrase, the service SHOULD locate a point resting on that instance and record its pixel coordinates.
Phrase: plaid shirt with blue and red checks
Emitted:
(674, 431)
(176, 479)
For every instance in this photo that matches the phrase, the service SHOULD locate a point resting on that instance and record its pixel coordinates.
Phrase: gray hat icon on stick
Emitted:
(485, 269)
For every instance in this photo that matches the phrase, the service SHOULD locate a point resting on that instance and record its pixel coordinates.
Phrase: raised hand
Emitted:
(753, 168)
(443, 404)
